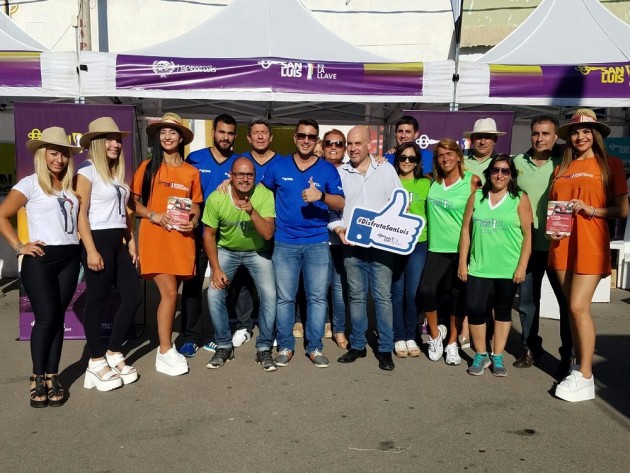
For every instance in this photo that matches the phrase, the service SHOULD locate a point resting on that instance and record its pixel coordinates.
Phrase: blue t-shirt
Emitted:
(212, 173)
(297, 222)
(260, 169)
(427, 160)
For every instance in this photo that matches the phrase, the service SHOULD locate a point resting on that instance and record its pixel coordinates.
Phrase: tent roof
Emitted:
(565, 32)
(14, 38)
(266, 28)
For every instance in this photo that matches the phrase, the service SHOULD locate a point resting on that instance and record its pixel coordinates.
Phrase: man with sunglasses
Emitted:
(305, 188)
(484, 137)
(408, 130)
(239, 226)
(535, 174)
(214, 165)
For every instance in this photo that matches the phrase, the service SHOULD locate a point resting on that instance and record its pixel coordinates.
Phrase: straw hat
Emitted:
(486, 126)
(171, 120)
(584, 117)
(55, 135)
(98, 127)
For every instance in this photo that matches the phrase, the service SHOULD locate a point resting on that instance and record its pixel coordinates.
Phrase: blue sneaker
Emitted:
(189, 349)
(479, 364)
(210, 346)
(497, 367)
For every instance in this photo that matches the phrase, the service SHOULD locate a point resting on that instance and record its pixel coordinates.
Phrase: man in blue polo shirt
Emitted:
(214, 166)
(305, 188)
(407, 130)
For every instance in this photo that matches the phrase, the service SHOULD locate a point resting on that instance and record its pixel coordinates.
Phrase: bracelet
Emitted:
(18, 249)
(150, 216)
(592, 213)
(195, 222)
(323, 197)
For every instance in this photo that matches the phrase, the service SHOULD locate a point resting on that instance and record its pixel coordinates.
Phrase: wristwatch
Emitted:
(321, 199)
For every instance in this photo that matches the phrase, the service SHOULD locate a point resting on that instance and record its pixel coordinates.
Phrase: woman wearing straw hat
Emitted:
(50, 264)
(594, 183)
(105, 226)
(167, 250)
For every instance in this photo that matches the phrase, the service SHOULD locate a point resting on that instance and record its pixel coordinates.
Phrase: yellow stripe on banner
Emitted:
(13, 55)
(515, 70)
(411, 68)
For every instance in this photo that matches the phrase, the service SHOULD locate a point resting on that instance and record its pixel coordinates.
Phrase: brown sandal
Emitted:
(56, 393)
(341, 340)
(38, 390)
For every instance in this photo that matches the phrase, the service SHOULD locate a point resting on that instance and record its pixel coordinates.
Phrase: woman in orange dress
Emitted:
(594, 183)
(166, 248)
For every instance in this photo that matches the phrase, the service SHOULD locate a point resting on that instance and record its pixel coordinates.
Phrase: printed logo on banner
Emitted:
(390, 229)
(424, 141)
(164, 68)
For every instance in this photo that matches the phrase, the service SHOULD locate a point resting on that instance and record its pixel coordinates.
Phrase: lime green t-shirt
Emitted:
(496, 238)
(235, 229)
(418, 191)
(445, 212)
(476, 167)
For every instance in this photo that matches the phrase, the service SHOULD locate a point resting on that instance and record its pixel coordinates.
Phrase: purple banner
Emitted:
(597, 81)
(437, 125)
(20, 69)
(273, 74)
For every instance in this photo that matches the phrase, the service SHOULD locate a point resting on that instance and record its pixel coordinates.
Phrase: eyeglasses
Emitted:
(504, 171)
(306, 136)
(243, 175)
(330, 144)
(411, 159)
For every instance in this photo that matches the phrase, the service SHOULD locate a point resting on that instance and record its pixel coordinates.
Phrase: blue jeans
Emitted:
(365, 268)
(260, 266)
(338, 289)
(312, 261)
(405, 288)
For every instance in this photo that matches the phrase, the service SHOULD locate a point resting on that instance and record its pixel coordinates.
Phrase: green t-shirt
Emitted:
(536, 181)
(445, 212)
(476, 167)
(235, 229)
(418, 191)
(496, 238)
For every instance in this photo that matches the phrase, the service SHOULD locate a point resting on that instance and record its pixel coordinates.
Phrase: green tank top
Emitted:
(496, 238)
(418, 190)
(445, 211)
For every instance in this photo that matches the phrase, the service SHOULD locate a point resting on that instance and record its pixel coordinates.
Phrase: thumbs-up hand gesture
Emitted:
(311, 193)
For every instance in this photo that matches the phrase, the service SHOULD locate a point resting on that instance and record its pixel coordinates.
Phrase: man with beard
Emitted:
(214, 166)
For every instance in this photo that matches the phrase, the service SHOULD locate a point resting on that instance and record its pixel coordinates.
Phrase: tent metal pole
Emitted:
(458, 8)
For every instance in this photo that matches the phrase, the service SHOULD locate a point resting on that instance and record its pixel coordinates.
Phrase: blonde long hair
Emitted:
(44, 176)
(98, 156)
(448, 145)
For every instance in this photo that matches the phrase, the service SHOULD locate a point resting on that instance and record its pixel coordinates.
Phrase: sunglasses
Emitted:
(306, 136)
(504, 171)
(243, 175)
(330, 144)
(411, 159)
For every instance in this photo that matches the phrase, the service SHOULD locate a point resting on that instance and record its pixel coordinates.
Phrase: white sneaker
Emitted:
(413, 348)
(576, 388)
(452, 355)
(171, 363)
(241, 336)
(436, 345)
(400, 348)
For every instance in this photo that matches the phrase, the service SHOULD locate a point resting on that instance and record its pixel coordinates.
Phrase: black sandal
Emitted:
(55, 391)
(39, 390)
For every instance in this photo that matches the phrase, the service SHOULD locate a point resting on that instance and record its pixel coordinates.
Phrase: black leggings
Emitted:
(440, 272)
(485, 294)
(119, 272)
(49, 281)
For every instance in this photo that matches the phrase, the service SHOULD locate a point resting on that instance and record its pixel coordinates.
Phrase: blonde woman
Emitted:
(108, 253)
(50, 264)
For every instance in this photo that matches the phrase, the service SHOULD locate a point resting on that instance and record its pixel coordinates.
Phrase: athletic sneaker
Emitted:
(318, 359)
(222, 356)
(189, 349)
(284, 356)
(576, 388)
(452, 355)
(171, 363)
(400, 348)
(497, 367)
(210, 346)
(436, 345)
(479, 364)
(241, 336)
(265, 360)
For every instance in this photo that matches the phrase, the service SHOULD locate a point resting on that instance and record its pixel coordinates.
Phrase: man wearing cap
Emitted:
(407, 130)
(535, 174)
(214, 165)
(483, 137)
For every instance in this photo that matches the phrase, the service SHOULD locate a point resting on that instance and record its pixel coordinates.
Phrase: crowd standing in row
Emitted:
(271, 220)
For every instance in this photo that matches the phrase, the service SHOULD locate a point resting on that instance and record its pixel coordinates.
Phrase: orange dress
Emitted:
(161, 251)
(587, 249)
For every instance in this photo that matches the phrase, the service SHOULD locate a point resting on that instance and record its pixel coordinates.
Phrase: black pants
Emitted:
(49, 282)
(440, 272)
(119, 272)
(486, 294)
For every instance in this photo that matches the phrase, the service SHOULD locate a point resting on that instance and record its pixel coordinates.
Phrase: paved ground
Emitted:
(347, 418)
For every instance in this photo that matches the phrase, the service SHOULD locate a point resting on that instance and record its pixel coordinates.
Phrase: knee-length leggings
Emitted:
(486, 294)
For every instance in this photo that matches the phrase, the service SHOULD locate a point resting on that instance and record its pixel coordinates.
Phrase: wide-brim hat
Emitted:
(55, 135)
(584, 117)
(171, 120)
(486, 126)
(100, 126)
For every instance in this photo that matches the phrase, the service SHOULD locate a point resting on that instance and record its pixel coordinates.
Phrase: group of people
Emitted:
(266, 224)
